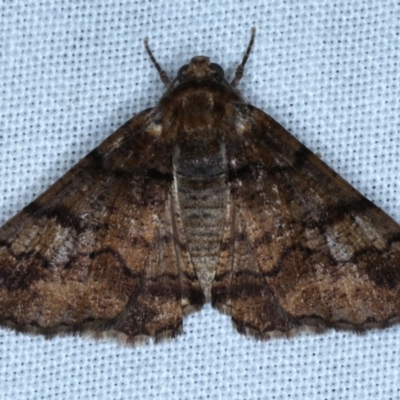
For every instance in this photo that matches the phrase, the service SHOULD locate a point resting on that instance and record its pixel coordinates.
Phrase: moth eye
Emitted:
(182, 70)
(218, 69)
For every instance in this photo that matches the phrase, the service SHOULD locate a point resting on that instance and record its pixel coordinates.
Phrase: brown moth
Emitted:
(203, 198)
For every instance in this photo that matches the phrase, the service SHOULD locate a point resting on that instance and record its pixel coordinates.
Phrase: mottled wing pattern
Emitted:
(99, 251)
(302, 248)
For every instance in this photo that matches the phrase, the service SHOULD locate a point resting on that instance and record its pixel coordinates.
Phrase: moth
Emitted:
(203, 198)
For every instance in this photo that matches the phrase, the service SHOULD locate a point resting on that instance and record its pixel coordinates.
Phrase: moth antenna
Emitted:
(163, 75)
(240, 68)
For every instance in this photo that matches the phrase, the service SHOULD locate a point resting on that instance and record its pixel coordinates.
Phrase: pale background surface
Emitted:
(71, 72)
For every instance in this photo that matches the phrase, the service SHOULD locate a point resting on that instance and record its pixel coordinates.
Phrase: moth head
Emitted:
(200, 67)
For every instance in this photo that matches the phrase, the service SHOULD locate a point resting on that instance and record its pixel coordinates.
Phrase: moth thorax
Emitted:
(203, 196)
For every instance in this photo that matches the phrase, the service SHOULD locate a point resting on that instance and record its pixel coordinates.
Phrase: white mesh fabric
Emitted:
(72, 72)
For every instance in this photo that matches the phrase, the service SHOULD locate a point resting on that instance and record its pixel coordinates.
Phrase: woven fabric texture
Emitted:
(71, 72)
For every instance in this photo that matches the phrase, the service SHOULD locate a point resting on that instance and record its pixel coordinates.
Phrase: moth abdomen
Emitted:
(203, 196)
